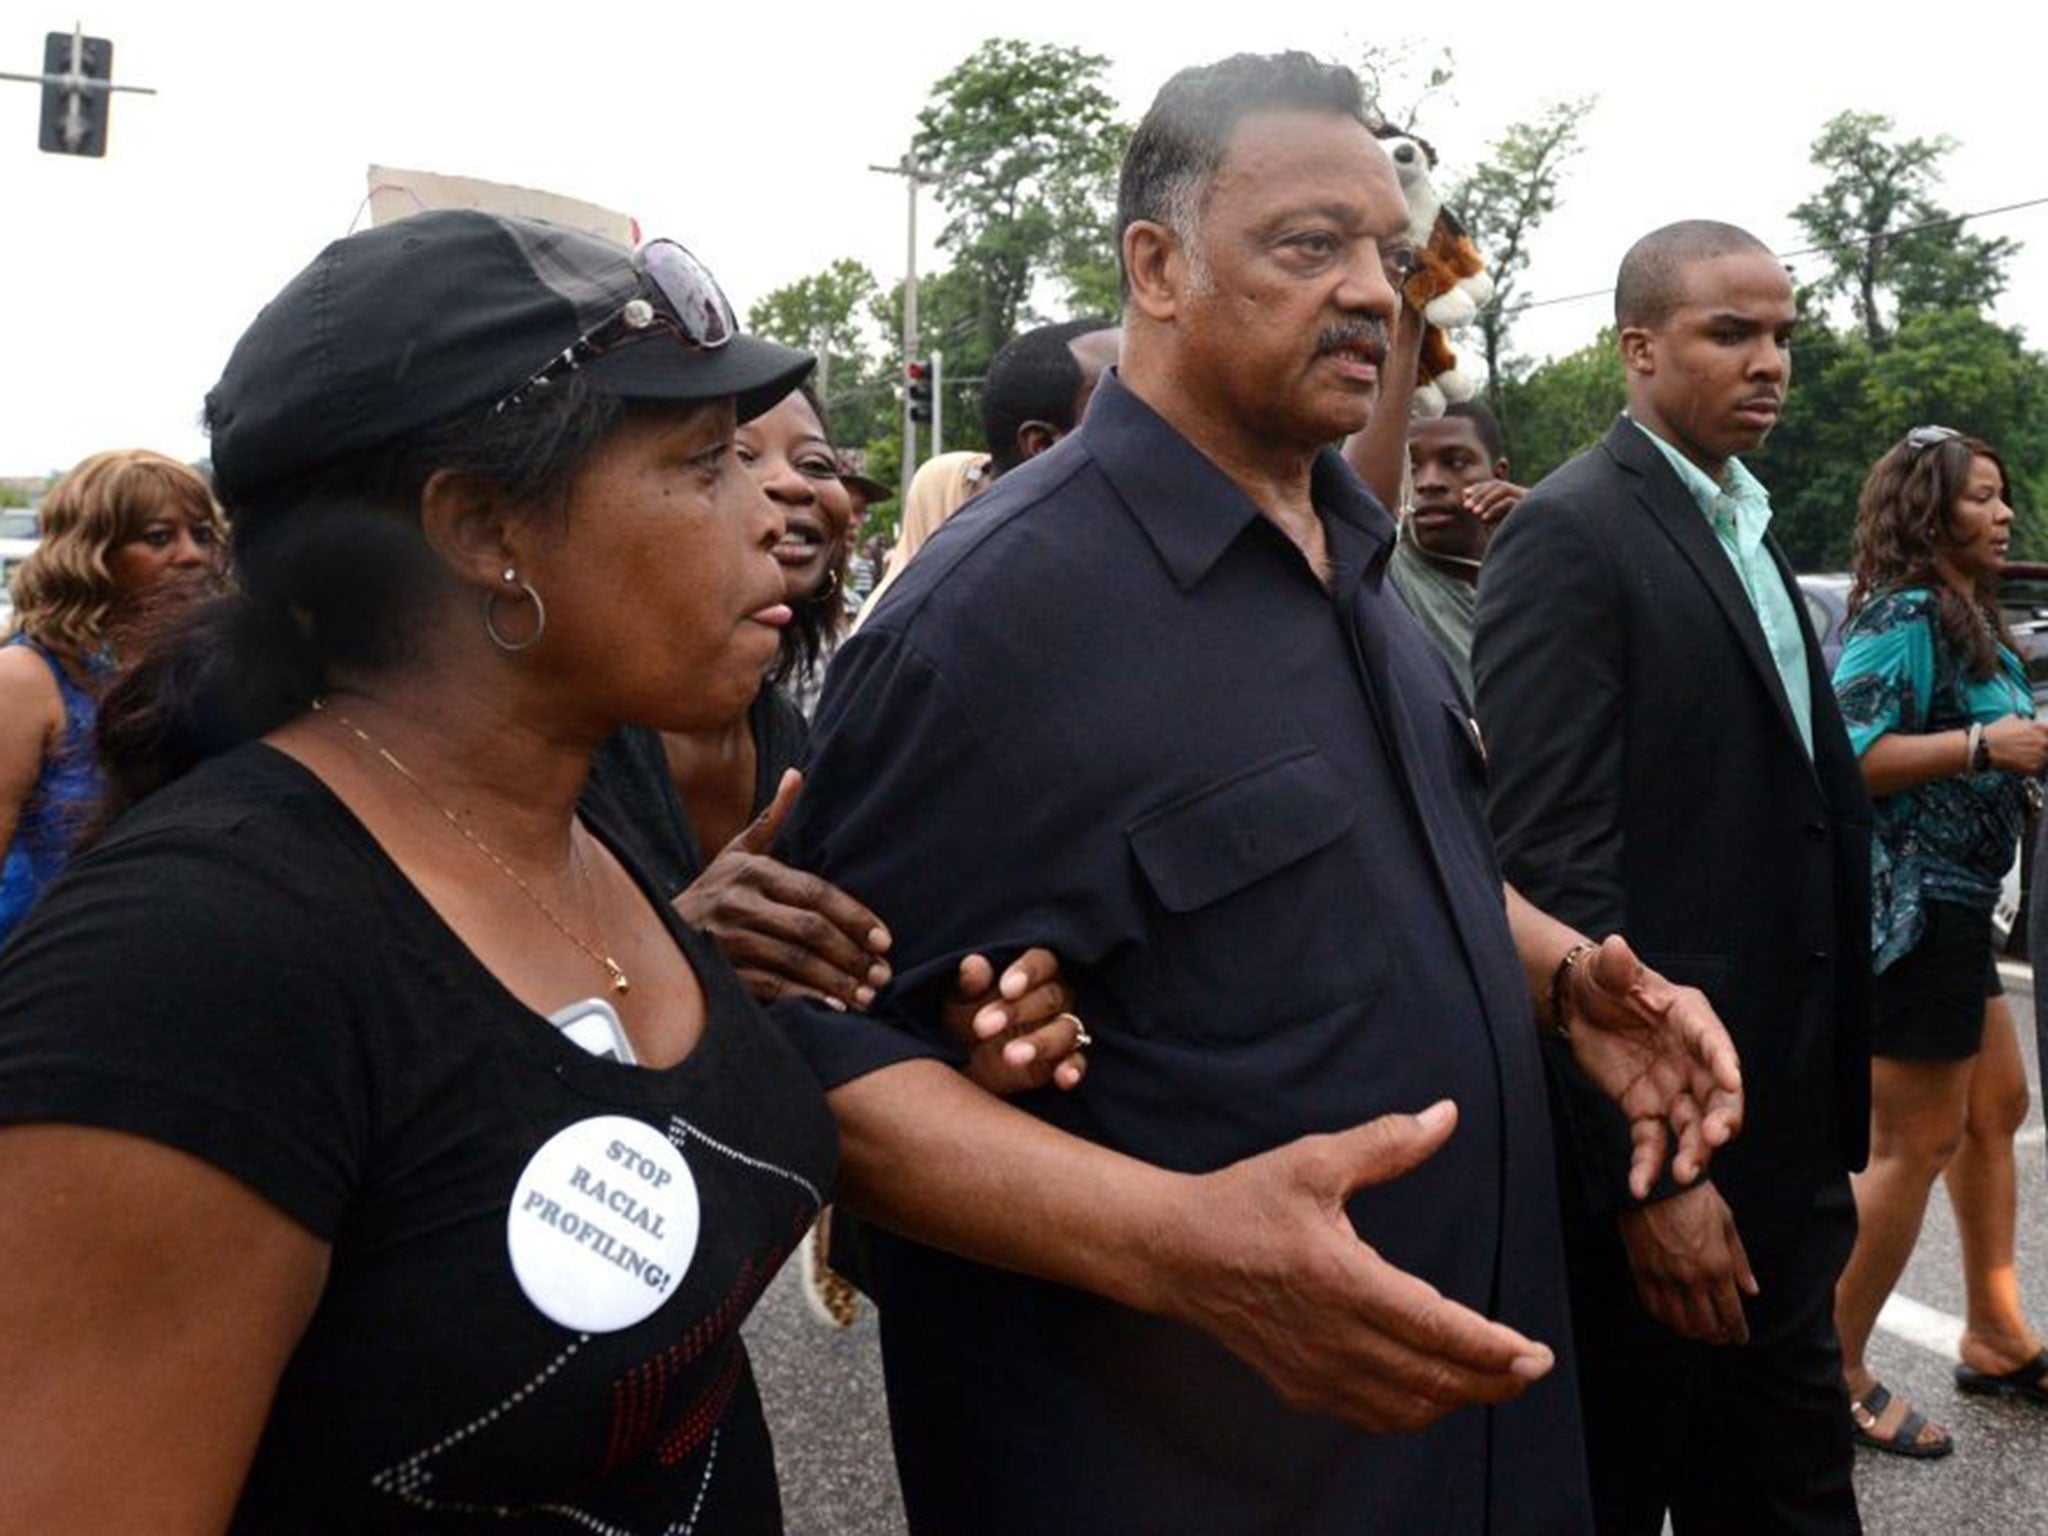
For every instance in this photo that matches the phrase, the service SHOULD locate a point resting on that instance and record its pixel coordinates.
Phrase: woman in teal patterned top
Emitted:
(1940, 711)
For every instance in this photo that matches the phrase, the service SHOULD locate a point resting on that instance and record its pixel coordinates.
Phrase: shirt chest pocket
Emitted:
(1255, 916)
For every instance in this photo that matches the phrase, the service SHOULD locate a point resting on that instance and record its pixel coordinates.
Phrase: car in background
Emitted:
(1827, 605)
(2023, 598)
(2022, 595)
(17, 539)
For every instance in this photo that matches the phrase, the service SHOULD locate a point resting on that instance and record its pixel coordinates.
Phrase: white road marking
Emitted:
(1918, 1323)
(2030, 1136)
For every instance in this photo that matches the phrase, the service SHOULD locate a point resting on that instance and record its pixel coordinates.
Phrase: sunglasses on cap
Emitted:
(1920, 439)
(686, 303)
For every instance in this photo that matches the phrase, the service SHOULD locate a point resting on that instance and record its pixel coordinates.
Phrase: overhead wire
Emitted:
(1944, 222)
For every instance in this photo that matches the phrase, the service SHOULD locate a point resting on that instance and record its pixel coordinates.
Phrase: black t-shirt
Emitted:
(631, 790)
(239, 971)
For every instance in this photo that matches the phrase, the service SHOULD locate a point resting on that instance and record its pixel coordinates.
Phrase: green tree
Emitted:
(1026, 143)
(1513, 189)
(831, 313)
(1396, 85)
(1919, 346)
(827, 311)
(1851, 401)
(950, 321)
(1848, 403)
(1561, 406)
(1815, 459)
(882, 458)
(1880, 234)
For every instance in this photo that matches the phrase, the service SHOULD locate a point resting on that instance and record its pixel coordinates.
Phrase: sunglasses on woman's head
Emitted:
(1920, 439)
(687, 303)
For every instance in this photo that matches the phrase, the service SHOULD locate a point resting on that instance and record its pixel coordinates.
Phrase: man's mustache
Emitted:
(1368, 336)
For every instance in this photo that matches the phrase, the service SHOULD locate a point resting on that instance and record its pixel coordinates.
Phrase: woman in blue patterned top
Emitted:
(112, 529)
(1939, 709)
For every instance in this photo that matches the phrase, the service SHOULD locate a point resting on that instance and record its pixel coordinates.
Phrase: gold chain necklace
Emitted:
(600, 952)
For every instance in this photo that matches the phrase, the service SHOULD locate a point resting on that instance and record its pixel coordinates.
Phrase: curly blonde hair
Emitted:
(63, 593)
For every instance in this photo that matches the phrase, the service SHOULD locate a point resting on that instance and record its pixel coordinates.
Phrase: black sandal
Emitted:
(1864, 1413)
(2028, 1382)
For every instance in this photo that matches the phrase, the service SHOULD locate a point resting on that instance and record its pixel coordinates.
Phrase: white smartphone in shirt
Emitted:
(594, 1025)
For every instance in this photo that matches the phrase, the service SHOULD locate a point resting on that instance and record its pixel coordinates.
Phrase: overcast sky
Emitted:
(746, 131)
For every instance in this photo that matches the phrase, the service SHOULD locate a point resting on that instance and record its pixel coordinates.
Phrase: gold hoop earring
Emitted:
(540, 616)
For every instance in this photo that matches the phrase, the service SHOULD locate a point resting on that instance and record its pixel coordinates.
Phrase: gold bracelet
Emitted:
(1558, 1025)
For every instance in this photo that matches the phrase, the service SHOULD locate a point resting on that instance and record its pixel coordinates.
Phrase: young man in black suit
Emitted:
(1666, 758)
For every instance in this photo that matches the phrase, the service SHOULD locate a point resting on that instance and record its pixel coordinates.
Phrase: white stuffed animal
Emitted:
(1450, 282)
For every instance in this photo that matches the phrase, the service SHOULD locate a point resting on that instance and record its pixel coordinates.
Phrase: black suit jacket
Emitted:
(1647, 779)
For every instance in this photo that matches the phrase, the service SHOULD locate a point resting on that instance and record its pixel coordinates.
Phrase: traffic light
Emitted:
(75, 93)
(917, 388)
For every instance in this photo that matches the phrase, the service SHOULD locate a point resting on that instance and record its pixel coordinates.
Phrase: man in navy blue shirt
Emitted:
(1151, 702)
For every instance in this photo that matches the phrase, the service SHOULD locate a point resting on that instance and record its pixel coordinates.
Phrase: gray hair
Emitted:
(1174, 155)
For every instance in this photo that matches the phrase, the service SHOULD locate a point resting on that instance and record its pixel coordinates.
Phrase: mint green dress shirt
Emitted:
(1738, 509)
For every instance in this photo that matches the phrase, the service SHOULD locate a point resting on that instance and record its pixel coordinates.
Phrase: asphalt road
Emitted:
(822, 1389)
(824, 1399)
(1997, 1480)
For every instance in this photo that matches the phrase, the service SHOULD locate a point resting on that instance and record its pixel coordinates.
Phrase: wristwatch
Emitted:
(1980, 750)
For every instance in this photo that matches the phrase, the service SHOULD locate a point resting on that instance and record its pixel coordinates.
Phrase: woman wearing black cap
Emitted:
(378, 1152)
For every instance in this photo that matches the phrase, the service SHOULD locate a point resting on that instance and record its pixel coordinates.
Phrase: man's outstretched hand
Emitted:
(1277, 1274)
(1661, 1053)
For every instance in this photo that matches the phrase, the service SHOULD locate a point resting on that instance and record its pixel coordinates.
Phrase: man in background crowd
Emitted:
(1459, 492)
(1039, 387)
(1038, 390)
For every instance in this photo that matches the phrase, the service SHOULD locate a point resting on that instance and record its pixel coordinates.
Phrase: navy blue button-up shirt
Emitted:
(1110, 709)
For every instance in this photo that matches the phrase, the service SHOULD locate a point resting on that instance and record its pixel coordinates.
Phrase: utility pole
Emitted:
(913, 177)
(77, 80)
(823, 377)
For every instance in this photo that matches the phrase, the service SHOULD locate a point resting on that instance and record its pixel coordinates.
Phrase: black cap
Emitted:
(406, 324)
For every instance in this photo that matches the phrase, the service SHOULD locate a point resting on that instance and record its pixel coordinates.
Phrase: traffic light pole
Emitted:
(909, 330)
(912, 176)
(74, 131)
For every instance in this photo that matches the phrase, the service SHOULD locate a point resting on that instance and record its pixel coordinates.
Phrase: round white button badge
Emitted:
(603, 1224)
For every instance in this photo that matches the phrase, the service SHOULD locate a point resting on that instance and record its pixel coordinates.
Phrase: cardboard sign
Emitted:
(397, 194)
